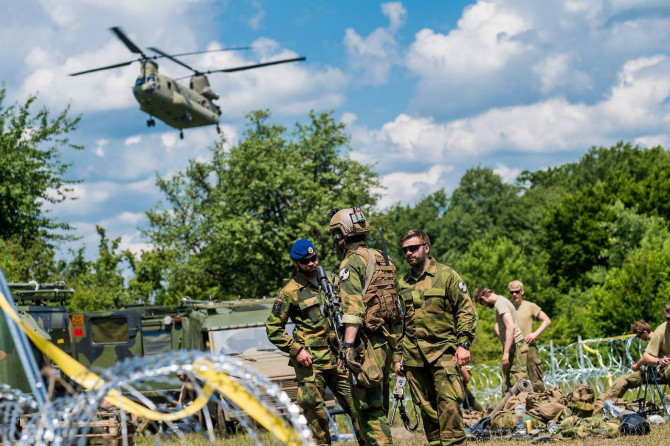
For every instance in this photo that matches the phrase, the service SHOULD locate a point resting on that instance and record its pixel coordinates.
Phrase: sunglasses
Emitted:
(411, 248)
(307, 260)
(514, 291)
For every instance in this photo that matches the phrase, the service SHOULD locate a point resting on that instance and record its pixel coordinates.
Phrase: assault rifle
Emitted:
(399, 399)
(331, 310)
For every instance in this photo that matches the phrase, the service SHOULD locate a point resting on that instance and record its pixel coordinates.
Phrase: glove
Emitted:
(352, 359)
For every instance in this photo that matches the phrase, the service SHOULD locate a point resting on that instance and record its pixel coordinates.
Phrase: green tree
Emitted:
(22, 262)
(637, 281)
(99, 284)
(481, 204)
(228, 223)
(32, 173)
(398, 219)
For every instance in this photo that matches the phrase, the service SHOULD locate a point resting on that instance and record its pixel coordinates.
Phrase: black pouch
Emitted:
(634, 424)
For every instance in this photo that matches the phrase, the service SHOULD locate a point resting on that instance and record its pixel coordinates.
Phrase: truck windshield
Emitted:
(239, 340)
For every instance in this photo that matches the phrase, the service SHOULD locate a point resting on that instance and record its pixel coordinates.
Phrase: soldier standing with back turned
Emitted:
(311, 347)
(440, 325)
(371, 316)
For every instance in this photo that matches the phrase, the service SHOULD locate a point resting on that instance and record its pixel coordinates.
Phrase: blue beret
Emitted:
(302, 248)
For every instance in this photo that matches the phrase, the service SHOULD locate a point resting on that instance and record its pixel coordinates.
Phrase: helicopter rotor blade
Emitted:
(173, 59)
(249, 67)
(212, 51)
(129, 44)
(123, 64)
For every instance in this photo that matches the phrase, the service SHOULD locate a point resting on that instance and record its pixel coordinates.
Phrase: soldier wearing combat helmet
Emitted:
(371, 316)
(311, 348)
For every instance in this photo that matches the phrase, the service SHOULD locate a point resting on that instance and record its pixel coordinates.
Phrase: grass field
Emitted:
(660, 436)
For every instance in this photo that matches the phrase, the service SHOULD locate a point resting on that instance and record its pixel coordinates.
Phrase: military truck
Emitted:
(237, 328)
(101, 338)
(41, 306)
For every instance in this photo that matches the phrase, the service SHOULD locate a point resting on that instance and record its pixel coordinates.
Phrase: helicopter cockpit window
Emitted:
(139, 81)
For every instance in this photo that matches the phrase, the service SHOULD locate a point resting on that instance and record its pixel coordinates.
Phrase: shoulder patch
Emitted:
(276, 308)
(280, 296)
(462, 287)
(344, 274)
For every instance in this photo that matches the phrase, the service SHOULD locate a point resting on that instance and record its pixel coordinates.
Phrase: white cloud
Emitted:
(256, 22)
(100, 197)
(124, 225)
(348, 118)
(100, 147)
(650, 141)
(408, 187)
(636, 105)
(133, 140)
(374, 55)
(509, 52)
(508, 174)
(396, 13)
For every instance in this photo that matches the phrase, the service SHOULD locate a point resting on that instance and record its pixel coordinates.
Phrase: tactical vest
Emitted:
(380, 298)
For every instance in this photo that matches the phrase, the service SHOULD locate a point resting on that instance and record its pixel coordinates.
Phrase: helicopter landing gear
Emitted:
(181, 134)
(218, 129)
(151, 122)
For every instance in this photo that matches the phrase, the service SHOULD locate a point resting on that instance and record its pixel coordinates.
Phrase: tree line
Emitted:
(590, 239)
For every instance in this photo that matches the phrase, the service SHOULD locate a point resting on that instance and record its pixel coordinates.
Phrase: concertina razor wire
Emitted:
(166, 382)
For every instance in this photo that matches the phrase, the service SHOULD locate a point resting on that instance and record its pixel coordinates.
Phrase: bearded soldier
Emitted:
(440, 325)
(371, 316)
(311, 346)
(656, 355)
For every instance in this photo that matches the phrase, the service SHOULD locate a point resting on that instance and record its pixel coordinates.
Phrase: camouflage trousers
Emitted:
(438, 391)
(517, 368)
(535, 372)
(372, 404)
(630, 381)
(312, 384)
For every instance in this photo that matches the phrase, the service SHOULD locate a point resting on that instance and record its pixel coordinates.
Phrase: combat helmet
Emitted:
(347, 223)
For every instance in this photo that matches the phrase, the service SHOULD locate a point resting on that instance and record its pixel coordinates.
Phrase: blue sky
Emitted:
(427, 89)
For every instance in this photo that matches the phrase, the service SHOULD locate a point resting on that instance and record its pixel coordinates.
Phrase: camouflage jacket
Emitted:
(353, 272)
(300, 301)
(438, 313)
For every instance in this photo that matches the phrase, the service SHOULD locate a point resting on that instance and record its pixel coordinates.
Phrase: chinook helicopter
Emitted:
(162, 97)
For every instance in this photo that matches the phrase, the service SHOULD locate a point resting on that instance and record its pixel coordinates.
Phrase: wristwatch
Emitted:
(348, 344)
(465, 345)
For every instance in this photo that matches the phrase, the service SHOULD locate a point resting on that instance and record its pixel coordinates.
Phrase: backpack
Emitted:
(634, 424)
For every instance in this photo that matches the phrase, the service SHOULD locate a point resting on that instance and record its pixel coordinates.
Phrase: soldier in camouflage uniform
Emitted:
(311, 348)
(515, 350)
(371, 315)
(440, 324)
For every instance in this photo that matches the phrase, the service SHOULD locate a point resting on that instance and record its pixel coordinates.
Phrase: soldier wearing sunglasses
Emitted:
(310, 348)
(528, 312)
(440, 325)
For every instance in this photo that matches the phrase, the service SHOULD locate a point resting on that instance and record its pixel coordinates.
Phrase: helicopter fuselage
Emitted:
(171, 102)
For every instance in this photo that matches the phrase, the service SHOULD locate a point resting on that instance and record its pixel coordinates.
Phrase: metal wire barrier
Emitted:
(164, 384)
(594, 362)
